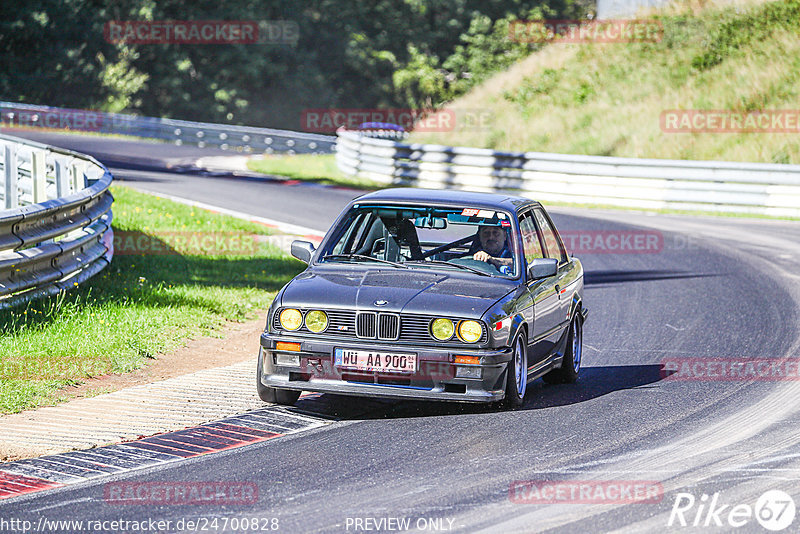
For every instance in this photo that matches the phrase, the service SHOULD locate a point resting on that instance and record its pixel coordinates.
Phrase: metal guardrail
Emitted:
(55, 228)
(765, 189)
(224, 136)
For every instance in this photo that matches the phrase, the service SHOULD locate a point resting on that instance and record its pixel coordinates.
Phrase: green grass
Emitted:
(309, 167)
(607, 99)
(139, 306)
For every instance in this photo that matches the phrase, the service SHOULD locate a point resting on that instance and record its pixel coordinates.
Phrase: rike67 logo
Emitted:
(774, 510)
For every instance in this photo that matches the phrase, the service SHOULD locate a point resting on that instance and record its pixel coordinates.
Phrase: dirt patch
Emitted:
(239, 342)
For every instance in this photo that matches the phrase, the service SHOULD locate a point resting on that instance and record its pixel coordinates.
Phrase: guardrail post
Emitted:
(10, 171)
(38, 175)
(359, 146)
(62, 179)
(78, 177)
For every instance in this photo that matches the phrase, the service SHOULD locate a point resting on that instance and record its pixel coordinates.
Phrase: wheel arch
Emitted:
(576, 307)
(518, 325)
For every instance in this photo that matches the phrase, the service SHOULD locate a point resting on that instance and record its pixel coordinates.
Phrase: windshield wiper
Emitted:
(440, 262)
(361, 257)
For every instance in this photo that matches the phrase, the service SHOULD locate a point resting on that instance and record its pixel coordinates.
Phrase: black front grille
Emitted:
(365, 325)
(379, 326)
(383, 326)
(388, 326)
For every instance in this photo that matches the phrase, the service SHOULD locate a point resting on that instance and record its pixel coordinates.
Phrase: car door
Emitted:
(554, 248)
(543, 294)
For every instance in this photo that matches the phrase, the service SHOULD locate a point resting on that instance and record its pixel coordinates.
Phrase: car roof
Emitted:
(447, 196)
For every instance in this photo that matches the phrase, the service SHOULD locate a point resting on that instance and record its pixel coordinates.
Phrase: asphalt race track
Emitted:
(724, 289)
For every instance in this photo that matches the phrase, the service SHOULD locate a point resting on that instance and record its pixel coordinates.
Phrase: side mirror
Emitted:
(542, 268)
(303, 250)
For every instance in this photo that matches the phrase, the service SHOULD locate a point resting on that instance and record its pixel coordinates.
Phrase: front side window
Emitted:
(442, 237)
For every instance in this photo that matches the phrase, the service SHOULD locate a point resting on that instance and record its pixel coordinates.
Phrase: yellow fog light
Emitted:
(316, 321)
(442, 329)
(469, 331)
(291, 319)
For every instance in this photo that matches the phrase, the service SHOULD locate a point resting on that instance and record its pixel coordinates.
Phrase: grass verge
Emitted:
(309, 167)
(202, 269)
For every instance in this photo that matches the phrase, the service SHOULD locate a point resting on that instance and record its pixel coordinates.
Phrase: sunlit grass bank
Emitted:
(198, 270)
(607, 99)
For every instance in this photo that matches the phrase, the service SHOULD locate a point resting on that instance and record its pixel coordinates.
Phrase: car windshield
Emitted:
(474, 239)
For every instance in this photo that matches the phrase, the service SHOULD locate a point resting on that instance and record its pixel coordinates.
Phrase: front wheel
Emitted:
(517, 374)
(571, 364)
(286, 397)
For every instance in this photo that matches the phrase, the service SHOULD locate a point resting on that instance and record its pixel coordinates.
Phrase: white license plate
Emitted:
(367, 360)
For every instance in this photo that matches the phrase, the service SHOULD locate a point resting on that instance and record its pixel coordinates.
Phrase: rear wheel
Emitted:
(571, 364)
(517, 374)
(278, 396)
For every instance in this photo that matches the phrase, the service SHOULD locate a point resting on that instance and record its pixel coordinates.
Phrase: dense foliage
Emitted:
(350, 54)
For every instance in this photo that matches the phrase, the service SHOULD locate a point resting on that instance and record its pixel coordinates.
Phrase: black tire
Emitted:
(516, 385)
(286, 397)
(573, 354)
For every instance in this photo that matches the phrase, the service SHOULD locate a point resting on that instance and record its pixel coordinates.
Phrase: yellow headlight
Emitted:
(316, 321)
(291, 319)
(469, 331)
(442, 329)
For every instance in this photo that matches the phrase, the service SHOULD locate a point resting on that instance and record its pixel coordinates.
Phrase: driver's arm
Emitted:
(482, 255)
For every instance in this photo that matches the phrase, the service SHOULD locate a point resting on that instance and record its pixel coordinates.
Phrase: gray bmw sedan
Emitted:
(428, 294)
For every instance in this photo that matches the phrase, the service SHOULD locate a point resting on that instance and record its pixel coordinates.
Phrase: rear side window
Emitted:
(354, 238)
(554, 248)
(530, 238)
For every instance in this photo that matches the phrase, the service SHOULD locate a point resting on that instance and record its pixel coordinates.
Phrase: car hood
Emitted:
(408, 291)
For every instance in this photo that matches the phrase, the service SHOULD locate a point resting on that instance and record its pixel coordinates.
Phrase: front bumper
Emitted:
(435, 378)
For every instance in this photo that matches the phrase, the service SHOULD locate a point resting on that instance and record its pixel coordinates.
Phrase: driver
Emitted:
(492, 247)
